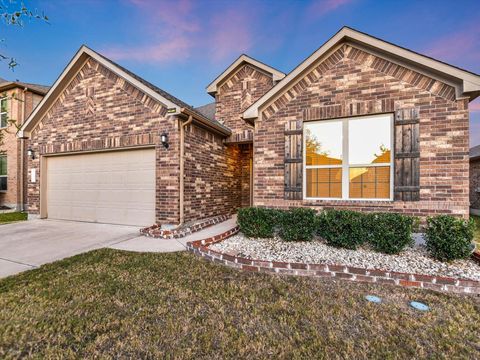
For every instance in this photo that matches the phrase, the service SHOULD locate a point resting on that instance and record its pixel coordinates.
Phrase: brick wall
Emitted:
(212, 175)
(475, 184)
(246, 153)
(237, 93)
(18, 103)
(99, 110)
(348, 76)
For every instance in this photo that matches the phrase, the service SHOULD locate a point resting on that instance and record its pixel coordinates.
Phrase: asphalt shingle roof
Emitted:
(207, 110)
(43, 89)
(475, 152)
(163, 93)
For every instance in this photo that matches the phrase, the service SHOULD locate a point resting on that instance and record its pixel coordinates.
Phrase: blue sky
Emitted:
(181, 46)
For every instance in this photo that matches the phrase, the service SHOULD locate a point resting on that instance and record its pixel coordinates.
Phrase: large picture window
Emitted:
(3, 113)
(349, 158)
(3, 172)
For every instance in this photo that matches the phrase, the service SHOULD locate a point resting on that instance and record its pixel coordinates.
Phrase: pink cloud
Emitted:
(177, 30)
(320, 8)
(231, 33)
(459, 45)
(158, 52)
(169, 27)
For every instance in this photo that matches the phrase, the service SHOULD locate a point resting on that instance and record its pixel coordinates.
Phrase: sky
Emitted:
(181, 46)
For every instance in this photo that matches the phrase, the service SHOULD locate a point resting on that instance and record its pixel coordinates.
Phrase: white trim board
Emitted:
(346, 166)
(465, 81)
(68, 74)
(277, 75)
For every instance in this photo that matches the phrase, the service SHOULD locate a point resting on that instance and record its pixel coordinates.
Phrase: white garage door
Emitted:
(112, 187)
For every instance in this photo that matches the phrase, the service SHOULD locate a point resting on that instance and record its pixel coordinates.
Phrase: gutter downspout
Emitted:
(22, 154)
(182, 166)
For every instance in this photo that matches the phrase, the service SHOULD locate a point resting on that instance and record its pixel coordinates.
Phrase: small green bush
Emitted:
(257, 222)
(389, 233)
(342, 228)
(298, 224)
(449, 238)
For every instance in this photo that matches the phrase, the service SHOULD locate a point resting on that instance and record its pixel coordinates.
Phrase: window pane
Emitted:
(369, 140)
(3, 183)
(3, 106)
(323, 142)
(324, 183)
(3, 165)
(370, 182)
(3, 120)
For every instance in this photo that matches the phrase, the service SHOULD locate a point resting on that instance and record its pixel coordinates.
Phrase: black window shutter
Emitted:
(293, 159)
(407, 155)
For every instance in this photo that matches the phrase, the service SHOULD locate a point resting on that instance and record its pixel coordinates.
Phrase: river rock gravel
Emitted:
(412, 260)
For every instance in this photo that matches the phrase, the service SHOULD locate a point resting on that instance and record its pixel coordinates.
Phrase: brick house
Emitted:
(17, 100)
(360, 124)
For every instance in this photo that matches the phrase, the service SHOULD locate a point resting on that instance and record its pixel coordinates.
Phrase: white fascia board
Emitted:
(276, 75)
(470, 81)
(252, 111)
(168, 104)
(63, 80)
(47, 97)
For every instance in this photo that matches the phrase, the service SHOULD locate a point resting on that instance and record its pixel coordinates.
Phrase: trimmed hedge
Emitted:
(342, 228)
(298, 224)
(449, 238)
(258, 222)
(389, 233)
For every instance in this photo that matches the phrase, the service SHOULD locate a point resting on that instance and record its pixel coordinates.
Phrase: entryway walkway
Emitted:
(29, 244)
(148, 244)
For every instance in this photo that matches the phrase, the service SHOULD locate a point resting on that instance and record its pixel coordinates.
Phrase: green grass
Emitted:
(110, 304)
(13, 216)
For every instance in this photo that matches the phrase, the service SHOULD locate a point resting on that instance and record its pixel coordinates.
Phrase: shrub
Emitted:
(389, 233)
(298, 224)
(449, 238)
(257, 222)
(342, 228)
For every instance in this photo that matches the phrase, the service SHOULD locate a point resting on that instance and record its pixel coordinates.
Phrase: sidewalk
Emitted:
(148, 244)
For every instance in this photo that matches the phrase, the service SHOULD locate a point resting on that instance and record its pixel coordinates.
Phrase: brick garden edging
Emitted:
(476, 256)
(156, 232)
(432, 282)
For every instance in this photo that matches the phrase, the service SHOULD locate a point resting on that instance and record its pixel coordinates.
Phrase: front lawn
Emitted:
(12, 216)
(110, 304)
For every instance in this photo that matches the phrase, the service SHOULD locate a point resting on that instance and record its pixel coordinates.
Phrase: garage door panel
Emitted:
(115, 187)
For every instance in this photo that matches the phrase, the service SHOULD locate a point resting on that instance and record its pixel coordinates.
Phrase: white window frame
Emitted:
(345, 160)
(3, 112)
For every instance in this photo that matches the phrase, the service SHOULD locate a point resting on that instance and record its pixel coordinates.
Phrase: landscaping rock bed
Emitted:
(412, 260)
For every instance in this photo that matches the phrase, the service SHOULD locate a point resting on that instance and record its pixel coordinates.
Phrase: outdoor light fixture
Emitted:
(31, 153)
(164, 140)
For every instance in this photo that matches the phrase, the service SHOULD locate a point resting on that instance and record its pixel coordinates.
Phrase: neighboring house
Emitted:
(475, 180)
(360, 124)
(17, 100)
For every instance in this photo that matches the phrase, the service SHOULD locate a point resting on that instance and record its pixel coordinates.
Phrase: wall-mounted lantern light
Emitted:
(164, 140)
(31, 153)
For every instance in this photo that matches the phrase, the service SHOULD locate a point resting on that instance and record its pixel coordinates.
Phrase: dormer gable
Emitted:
(236, 65)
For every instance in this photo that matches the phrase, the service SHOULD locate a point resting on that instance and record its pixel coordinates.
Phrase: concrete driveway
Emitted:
(29, 244)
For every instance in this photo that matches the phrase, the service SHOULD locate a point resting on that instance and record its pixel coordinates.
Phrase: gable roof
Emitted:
(243, 59)
(207, 110)
(175, 105)
(466, 83)
(36, 88)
